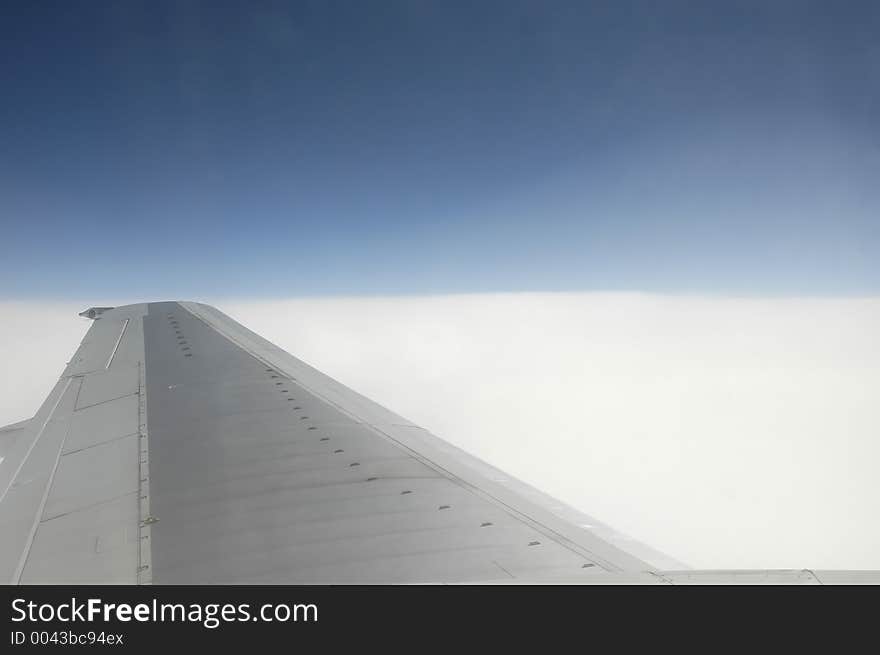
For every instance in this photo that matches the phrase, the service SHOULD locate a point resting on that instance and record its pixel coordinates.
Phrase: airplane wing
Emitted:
(180, 447)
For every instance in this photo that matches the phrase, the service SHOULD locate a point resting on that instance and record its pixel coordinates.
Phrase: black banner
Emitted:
(370, 618)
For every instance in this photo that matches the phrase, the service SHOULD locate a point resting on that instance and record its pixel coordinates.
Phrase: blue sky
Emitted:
(264, 149)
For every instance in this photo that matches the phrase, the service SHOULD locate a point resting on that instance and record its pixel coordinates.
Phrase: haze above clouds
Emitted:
(726, 432)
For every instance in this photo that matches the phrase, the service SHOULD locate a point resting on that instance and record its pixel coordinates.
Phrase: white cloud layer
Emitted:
(728, 433)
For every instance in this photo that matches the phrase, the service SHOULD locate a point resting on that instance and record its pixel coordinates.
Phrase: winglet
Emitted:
(94, 312)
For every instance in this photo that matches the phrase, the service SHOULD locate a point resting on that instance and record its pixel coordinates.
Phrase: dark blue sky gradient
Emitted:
(187, 149)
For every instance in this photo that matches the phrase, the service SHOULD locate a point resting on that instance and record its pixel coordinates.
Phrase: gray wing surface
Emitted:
(180, 447)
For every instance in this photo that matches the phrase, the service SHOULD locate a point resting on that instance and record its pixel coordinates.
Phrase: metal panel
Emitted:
(101, 386)
(94, 475)
(102, 423)
(97, 545)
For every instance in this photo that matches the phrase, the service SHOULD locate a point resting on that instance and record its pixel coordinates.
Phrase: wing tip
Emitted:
(94, 313)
